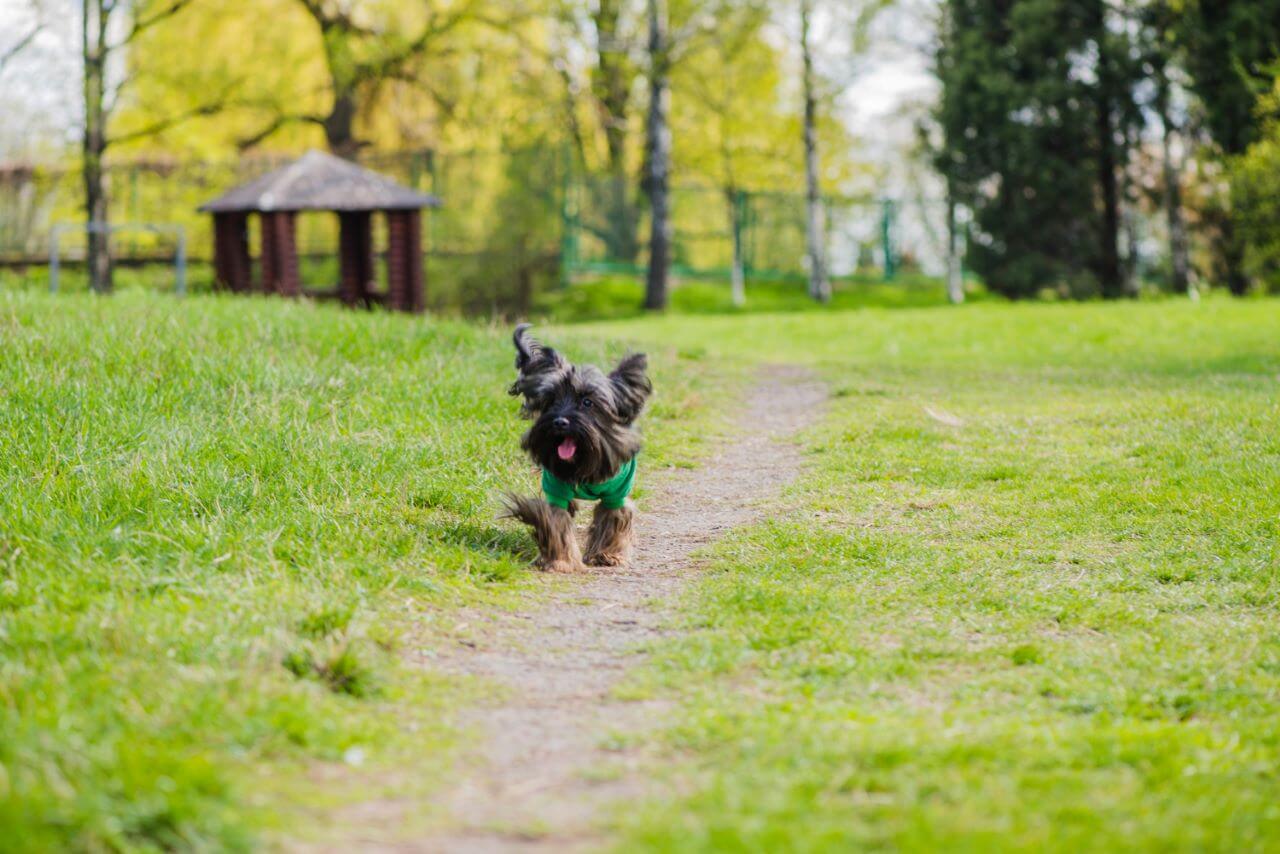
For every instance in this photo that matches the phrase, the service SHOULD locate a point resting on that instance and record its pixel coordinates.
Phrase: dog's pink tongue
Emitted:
(567, 449)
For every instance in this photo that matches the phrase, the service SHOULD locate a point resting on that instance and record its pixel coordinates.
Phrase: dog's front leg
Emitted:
(612, 531)
(553, 529)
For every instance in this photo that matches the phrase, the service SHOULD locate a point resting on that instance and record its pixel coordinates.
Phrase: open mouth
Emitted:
(567, 449)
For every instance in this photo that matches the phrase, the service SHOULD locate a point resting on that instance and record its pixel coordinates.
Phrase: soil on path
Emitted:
(548, 768)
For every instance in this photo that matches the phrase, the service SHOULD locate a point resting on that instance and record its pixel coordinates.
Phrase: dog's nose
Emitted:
(561, 423)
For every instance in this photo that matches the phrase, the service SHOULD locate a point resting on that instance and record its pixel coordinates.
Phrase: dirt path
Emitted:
(544, 776)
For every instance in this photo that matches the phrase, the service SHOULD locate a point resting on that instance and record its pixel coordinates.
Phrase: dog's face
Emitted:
(583, 421)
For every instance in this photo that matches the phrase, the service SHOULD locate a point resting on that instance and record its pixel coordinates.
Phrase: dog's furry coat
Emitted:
(583, 432)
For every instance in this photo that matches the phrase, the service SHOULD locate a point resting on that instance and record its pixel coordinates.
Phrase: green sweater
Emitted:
(612, 493)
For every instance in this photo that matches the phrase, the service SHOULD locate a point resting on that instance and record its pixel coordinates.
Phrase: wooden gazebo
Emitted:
(321, 182)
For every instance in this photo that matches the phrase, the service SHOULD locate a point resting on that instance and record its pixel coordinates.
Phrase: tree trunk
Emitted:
(1233, 257)
(613, 95)
(658, 160)
(819, 286)
(1109, 276)
(97, 237)
(1178, 256)
(1129, 223)
(339, 124)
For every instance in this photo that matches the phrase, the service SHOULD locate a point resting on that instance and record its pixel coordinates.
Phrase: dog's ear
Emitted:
(631, 386)
(534, 363)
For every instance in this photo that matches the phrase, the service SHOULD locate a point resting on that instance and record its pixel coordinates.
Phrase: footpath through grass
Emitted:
(1026, 596)
(219, 521)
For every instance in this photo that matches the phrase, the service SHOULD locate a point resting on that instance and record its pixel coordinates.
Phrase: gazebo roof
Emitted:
(317, 181)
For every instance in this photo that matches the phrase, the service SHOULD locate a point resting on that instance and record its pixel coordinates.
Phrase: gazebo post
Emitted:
(280, 254)
(404, 261)
(267, 262)
(355, 256)
(290, 284)
(231, 251)
(417, 278)
(241, 266)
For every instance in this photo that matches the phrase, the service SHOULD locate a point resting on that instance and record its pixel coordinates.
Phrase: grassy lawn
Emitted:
(220, 520)
(1025, 594)
(1025, 597)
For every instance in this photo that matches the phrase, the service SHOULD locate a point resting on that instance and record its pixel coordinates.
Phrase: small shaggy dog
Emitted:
(583, 438)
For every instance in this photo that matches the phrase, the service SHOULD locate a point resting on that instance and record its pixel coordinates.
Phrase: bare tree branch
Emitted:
(144, 23)
(277, 123)
(215, 105)
(20, 45)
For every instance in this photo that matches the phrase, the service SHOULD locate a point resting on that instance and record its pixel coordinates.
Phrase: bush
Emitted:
(1255, 196)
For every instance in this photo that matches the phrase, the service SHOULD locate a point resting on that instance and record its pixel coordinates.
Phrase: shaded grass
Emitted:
(1025, 597)
(217, 518)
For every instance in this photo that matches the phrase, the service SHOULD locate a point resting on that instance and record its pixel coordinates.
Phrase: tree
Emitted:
(850, 23)
(658, 158)
(736, 131)
(1229, 49)
(815, 218)
(100, 19)
(360, 57)
(1255, 197)
(1034, 111)
(612, 85)
(664, 50)
(358, 75)
(1161, 62)
(1107, 94)
(24, 37)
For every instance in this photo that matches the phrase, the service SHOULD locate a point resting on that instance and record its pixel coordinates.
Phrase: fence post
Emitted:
(54, 260)
(738, 274)
(180, 261)
(886, 238)
(433, 171)
(415, 169)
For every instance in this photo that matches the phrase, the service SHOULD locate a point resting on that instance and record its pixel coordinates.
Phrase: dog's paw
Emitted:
(606, 559)
(564, 567)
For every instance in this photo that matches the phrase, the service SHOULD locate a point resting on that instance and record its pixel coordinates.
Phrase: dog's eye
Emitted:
(586, 403)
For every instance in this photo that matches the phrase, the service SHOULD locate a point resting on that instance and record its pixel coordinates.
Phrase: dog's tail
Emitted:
(552, 528)
(529, 509)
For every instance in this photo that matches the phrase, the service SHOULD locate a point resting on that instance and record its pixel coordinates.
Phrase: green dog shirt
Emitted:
(612, 493)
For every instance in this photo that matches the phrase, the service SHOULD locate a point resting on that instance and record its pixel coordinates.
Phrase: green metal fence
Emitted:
(512, 222)
(864, 236)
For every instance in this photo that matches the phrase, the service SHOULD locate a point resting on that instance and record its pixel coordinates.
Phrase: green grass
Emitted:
(230, 527)
(222, 521)
(1053, 626)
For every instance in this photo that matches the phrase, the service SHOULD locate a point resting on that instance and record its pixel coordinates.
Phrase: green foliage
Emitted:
(1033, 95)
(1255, 200)
(1229, 50)
(340, 667)
(326, 621)
(1049, 627)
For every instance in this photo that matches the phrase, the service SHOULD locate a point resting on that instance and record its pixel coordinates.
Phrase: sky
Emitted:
(38, 88)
